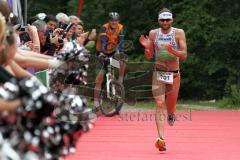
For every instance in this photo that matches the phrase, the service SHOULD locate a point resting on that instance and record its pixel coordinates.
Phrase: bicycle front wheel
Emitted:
(111, 102)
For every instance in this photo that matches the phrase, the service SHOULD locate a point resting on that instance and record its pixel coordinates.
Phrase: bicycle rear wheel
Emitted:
(112, 104)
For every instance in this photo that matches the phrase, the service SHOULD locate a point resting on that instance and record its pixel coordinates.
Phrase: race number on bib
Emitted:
(165, 77)
(114, 63)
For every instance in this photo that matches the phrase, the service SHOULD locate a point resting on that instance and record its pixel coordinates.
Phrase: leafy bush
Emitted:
(233, 100)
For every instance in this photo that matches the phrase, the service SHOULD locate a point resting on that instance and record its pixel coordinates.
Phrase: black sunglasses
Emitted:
(167, 20)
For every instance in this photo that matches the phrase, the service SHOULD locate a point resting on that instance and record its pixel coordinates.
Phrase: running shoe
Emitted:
(160, 144)
(171, 119)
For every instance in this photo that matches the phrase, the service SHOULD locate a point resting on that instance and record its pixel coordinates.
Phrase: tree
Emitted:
(47, 6)
(212, 31)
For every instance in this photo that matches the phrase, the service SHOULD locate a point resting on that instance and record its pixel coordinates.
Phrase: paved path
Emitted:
(195, 136)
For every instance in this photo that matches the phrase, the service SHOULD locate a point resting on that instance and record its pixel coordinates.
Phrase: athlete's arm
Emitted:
(181, 39)
(120, 39)
(149, 51)
(152, 35)
(148, 43)
(103, 38)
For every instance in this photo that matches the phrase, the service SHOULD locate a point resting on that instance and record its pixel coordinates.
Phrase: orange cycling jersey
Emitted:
(112, 36)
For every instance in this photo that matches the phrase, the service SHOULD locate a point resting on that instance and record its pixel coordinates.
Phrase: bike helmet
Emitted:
(113, 16)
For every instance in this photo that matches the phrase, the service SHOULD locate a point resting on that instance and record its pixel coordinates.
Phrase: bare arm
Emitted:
(18, 71)
(35, 60)
(29, 61)
(182, 44)
(148, 43)
(35, 38)
(182, 51)
(33, 54)
(9, 105)
(152, 36)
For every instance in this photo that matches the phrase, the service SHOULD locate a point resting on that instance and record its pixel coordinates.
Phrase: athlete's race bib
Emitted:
(114, 63)
(165, 77)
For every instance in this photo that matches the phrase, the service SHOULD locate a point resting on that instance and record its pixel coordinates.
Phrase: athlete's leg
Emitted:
(123, 64)
(171, 99)
(159, 96)
(160, 117)
(172, 96)
(98, 81)
(121, 71)
(158, 90)
(97, 89)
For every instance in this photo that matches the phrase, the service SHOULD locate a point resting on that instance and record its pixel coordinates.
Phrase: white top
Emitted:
(162, 39)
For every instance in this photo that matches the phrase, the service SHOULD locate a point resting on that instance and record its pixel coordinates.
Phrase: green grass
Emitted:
(182, 105)
(229, 103)
(90, 102)
(145, 104)
(200, 103)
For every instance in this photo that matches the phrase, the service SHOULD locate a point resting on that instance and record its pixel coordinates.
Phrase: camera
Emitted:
(23, 29)
(66, 28)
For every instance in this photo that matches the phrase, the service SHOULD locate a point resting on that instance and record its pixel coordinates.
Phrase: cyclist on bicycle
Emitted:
(110, 38)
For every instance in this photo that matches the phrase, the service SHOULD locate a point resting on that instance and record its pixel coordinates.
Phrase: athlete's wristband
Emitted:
(148, 54)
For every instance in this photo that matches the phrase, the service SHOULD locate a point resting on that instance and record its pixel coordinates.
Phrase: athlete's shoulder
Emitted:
(105, 27)
(120, 24)
(153, 33)
(180, 34)
(179, 31)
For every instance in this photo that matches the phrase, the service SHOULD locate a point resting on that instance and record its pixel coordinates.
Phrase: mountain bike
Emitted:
(112, 95)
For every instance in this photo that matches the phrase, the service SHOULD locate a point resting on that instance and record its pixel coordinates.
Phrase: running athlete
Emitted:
(111, 36)
(166, 45)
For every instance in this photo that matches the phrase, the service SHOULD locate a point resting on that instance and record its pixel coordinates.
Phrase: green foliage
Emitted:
(212, 66)
(47, 6)
(212, 31)
(232, 101)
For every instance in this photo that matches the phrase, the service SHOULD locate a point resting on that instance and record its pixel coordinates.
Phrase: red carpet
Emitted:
(131, 136)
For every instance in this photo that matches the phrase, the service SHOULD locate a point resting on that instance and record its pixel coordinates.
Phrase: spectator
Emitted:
(51, 23)
(62, 19)
(41, 29)
(79, 28)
